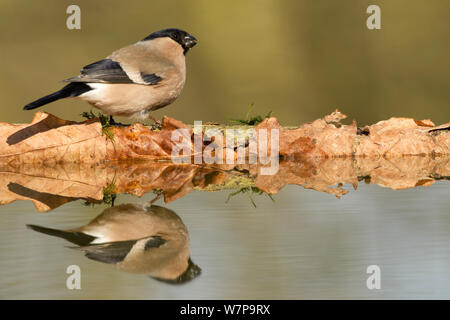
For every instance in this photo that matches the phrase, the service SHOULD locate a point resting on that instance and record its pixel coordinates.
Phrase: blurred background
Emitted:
(300, 59)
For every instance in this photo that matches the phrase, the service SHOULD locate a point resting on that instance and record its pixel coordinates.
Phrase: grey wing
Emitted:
(109, 71)
(112, 252)
(115, 252)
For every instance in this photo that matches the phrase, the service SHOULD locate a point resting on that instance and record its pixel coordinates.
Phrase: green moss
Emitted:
(251, 121)
(106, 126)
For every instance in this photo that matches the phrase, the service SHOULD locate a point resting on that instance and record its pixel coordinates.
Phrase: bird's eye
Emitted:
(176, 36)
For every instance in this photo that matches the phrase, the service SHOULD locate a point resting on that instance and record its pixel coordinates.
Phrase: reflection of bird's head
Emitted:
(183, 38)
(192, 272)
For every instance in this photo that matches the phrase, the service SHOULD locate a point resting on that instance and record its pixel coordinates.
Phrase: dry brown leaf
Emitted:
(48, 140)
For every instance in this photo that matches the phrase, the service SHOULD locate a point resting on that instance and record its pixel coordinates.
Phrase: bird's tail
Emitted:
(78, 238)
(73, 89)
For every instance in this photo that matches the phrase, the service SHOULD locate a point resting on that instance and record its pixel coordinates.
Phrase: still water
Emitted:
(302, 245)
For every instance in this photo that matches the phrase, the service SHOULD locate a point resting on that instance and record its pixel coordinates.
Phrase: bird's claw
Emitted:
(157, 124)
(112, 122)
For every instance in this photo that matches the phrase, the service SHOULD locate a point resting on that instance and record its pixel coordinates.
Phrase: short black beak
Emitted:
(189, 41)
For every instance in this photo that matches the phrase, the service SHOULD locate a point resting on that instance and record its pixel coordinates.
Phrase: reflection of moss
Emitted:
(251, 121)
(235, 182)
(240, 183)
(109, 195)
(250, 191)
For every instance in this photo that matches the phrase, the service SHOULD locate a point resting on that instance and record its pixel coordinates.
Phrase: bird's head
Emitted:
(192, 271)
(184, 39)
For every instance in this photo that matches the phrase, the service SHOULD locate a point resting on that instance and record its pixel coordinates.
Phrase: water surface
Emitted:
(304, 245)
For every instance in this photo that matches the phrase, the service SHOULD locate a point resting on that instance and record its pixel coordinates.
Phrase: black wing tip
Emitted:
(41, 229)
(106, 70)
(192, 272)
(150, 78)
(154, 242)
(30, 106)
(78, 238)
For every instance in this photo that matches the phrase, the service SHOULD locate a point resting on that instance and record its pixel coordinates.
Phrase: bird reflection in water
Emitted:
(145, 239)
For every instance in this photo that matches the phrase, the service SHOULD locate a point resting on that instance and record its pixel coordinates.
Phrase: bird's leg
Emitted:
(113, 199)
(112, 122)
(157, 125)
(159, 194)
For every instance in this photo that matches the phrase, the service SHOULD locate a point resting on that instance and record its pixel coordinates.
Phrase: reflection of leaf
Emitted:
(48, 199)
(49, 188)
(53, 185)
